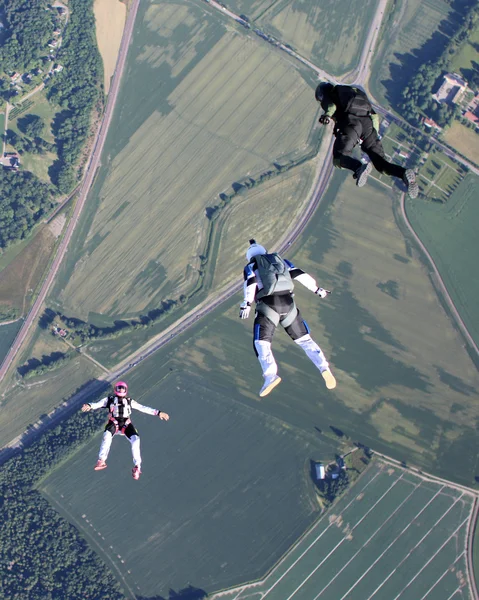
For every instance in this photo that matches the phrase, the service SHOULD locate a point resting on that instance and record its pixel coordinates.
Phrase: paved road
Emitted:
(91, 168)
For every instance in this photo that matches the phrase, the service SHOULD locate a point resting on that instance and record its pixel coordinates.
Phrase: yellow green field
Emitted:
(464, 140)
(240, 109)
(110, 18)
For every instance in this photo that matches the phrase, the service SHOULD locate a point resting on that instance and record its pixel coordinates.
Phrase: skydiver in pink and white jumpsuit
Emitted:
(119, 406)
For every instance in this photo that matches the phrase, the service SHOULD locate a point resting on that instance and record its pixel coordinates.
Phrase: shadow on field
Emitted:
(188, 593)
(402, 73)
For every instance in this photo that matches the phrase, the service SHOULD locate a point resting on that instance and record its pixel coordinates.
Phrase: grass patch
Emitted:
(20, 278)
(8, 333)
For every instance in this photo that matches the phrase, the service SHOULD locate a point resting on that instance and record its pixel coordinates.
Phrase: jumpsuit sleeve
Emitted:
(329, 109)
(250, 284)
(144, 409)
(303, 278)
(100, 404)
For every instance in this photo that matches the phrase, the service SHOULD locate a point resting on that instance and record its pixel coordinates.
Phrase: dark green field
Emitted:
(393, 535)
(226, 489)
(7, 334)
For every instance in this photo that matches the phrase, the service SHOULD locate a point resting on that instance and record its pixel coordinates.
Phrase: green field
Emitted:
(463, 61)
(225, 490)
(38, 164)
(219, 109)
(394, 534)
(328, 33)
(412, 33)
(24, 268)
(449, 233)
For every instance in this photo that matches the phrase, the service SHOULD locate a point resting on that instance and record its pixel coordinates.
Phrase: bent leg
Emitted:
(299, 332)
(132, 434)
(346, 140)
(373, 147)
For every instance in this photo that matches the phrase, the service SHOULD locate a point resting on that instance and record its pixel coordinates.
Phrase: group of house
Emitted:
(452, 91)
(17, 79)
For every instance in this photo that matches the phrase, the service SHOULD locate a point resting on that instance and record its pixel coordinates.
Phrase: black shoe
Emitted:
(409, 179)
(361, 175)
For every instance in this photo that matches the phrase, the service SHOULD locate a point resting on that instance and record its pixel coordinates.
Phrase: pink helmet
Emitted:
(118, 389)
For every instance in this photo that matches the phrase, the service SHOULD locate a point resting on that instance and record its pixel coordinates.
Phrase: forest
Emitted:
(77, 89)
(24, 200)
(42, 556)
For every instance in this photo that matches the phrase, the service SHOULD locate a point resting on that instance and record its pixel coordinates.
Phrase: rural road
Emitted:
(91, 168)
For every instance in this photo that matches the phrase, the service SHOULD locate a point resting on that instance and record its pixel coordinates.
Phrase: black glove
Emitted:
(324, 120)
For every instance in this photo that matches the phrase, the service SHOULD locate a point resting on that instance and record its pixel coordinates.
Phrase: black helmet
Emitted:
(323, 89)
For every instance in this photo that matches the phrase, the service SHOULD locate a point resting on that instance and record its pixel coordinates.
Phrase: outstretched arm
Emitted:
(305, 279)
(149, 411)
(94, 405)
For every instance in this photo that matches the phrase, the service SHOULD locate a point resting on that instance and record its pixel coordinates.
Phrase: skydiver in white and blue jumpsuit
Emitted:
(279, 308)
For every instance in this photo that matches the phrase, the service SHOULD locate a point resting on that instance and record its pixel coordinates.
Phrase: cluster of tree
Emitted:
(34, 366)
(417, 98)
(28, 26)
(77, 89)
(24, 199)
(42, 556)
(22, 144)
(86, 332)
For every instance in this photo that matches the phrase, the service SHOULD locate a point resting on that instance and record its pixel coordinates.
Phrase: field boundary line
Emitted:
(442, 576)
(426, 476)
(390, 545)
(415, 487)
(262, 580)
(433, 556)
(470, 549)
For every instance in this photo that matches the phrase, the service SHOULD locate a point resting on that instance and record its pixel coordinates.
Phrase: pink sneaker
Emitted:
(136, 472)
(100, 464)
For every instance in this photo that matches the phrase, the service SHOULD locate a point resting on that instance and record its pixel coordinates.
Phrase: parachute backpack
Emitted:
(353, 101)
(274, 275)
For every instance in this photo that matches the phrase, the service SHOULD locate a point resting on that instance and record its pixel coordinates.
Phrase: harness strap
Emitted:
(118, 429)
(290, 317)
(268, 312)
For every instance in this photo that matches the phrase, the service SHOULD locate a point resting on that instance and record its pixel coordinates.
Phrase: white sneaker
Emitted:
(329, 379)
(269, 383)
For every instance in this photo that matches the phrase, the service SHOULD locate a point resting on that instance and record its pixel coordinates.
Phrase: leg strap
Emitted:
(268, 312)
(290, 317)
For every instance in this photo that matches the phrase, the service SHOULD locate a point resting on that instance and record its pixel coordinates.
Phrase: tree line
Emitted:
(85, 332)
(78, 90)
(42, 556)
